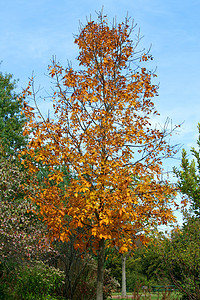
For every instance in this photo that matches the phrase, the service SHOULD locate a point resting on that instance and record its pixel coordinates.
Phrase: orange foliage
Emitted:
(102, 133)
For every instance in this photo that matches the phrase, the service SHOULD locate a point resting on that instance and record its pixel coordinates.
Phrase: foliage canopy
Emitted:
(11, 120)
(189, 176)
(101, 132)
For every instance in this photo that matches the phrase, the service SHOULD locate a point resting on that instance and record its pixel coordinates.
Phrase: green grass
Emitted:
(149, 296)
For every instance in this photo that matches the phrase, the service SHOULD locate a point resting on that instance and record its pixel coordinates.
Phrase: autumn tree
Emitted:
(101, 132)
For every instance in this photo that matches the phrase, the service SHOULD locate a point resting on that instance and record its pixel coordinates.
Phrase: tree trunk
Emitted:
(100, 270)
(123, 276)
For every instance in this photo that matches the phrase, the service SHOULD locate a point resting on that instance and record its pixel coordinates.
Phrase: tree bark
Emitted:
(123, 276)
(100, 270)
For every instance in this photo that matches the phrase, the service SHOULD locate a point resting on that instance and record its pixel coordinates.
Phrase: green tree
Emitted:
(189, 176)
(11, 119)
(151, 261)
(134, 268)
(181, 257)
(183, 248)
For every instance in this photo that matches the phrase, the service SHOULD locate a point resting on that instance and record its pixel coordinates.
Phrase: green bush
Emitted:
(7, 278)
(37, 281)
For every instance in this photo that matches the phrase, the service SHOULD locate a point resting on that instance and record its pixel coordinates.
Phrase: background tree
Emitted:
(181, 252)
(134, 273)
(102, 133)
(22, 235)
(189, 177)
(80, 270)
(11, 120)
(152, 266)
(181, 258)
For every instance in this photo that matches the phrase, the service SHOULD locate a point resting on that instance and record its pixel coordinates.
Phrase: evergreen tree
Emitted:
(189, 176)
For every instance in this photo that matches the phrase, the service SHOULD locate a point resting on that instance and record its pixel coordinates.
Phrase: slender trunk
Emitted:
(123, 276)
(100, 270)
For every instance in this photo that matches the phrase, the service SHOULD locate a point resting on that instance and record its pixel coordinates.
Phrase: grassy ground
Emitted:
(148, 296)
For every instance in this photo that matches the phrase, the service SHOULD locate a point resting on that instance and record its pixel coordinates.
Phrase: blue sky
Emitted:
(32, 31)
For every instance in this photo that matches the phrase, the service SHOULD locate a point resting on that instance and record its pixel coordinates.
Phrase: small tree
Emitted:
(185, 245)
(101, 132)
(189, 177)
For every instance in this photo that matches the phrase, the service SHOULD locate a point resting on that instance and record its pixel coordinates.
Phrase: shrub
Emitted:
(37, 280)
